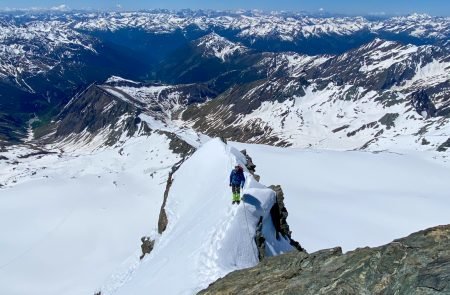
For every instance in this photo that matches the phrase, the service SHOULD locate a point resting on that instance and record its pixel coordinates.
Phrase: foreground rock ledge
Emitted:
(417, 264)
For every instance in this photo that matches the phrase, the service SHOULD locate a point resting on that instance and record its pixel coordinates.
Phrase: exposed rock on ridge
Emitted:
(278, 214)
(417, 264)
(162, 221)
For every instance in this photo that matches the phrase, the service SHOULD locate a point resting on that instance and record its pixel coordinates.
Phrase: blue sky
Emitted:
(389, 7)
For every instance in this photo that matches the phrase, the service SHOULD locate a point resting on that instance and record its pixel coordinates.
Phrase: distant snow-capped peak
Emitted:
(220, 47)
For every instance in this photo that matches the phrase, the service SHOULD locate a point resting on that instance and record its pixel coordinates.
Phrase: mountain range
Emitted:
(118, 128)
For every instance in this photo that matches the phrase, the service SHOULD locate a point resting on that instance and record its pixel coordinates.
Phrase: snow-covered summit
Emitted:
(220, 47)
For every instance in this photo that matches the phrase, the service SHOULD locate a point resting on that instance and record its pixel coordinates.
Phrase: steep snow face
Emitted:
(383, 64)
(361, 99)
(428, 75)
(206, 236)
(215, 45)
(355, 199)
(381, 55)
(68, 219)
(330, 118)
(291, 63)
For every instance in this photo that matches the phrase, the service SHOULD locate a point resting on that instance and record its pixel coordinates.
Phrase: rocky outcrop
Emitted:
(417, 264)
(423, 104)
(162, 220)
(178, 145)
(279, 216)
(444, 146)
(260, 241)
(250, 166)
(147, 246)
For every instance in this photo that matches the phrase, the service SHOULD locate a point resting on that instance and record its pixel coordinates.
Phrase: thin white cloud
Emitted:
(61, 7)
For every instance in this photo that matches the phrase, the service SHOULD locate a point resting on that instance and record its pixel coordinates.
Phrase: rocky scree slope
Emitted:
(417, 264)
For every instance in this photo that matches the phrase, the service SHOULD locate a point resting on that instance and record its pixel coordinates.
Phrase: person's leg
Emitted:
(233, 190)
(236, 194)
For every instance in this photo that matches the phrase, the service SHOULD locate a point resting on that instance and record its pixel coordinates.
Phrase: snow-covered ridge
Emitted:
(216, 45)
(207, 236)
(324, 119)
(417, 25)
(281, 26)
(293, 64)
(250, 25)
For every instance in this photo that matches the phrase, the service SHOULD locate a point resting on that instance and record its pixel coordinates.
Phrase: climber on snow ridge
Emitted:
(237, 180)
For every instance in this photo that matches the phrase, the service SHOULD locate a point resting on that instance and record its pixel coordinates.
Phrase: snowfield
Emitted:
(354, 199)
(71, 223)
(68, 221)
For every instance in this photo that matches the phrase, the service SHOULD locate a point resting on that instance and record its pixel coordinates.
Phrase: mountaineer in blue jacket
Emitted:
(237, 180)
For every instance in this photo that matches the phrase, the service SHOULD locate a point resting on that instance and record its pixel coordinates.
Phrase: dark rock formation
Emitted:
(388, 120)
(340, 128)
(417, 264)
(444, 146)
(279, 216)
(178, 145)
(250, 166)
(162, 220)
(260, 240)
(423, 104)
(425, 142)
(147, 246)
(363, 127)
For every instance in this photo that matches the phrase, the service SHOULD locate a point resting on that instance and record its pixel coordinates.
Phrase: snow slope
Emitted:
(207, 236)
(67, 220)
(355, 199)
